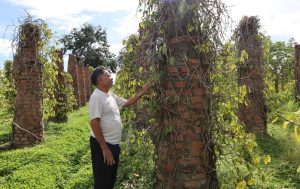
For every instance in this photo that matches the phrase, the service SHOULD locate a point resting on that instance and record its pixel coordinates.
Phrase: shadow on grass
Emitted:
(281, 147)
(270, 145)
(5, 137)
(52, 128)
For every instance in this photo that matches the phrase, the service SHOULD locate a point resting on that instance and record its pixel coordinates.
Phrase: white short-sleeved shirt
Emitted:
(106, 107)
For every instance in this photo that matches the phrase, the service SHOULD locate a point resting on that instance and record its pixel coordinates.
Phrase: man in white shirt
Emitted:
(106, 127)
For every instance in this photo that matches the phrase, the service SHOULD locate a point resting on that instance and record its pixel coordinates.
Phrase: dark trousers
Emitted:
(104, 175)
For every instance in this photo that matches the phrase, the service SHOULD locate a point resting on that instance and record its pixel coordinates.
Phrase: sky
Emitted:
(279, 18)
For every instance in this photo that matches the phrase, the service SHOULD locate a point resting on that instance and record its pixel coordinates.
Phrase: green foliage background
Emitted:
(244, 160)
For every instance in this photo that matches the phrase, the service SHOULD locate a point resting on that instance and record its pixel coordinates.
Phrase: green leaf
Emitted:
(250, 146)
(190, 27)
(142, 25)
(141, 69)
(171, 60)
(256, 159)
(251, 182)
(243, 93)
(285, 124)
(164, 49)
(244, 56)
(276, 119)
(232, 67)
(152, 68)
(298, 170)
(241, 185)
(130, 49)
(267, 159)
(297, 134)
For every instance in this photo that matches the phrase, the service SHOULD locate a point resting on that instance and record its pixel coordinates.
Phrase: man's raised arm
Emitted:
(134, 99)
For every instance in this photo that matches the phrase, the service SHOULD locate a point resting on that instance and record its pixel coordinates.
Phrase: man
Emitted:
(106, 127)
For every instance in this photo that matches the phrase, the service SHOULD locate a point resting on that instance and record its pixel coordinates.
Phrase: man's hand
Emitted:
(145, 89)
(134, 99)
(108, 157)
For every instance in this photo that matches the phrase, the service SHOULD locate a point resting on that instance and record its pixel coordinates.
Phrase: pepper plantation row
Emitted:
(214, 107)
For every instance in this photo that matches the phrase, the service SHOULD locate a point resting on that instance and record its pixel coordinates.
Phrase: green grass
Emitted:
(63, 160)
(5, 126)
(280, 173)
(281, 145)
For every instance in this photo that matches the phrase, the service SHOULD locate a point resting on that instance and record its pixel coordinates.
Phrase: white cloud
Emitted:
(115, 48)
(68, 14)
(67, 23)
(129, 24)
(278, 18)
(58, 8)
(5, 48)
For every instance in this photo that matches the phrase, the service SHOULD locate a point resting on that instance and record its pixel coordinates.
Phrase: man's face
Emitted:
(106, 80)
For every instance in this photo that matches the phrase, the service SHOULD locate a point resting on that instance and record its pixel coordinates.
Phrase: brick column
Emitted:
(28, 128)
(185, 151)
(184, 160)
(87, 82)
(60, 96)
(73, 70)
(81, 84)
(297, 72)
(250, 72)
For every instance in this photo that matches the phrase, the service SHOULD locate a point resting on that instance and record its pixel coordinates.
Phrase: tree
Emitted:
(89, 44)
(8, 87)
(281, 61)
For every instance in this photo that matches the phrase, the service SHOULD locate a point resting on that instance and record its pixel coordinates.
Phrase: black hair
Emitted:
(96, 74)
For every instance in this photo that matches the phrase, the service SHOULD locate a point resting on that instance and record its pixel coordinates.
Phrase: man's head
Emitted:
(101, 77)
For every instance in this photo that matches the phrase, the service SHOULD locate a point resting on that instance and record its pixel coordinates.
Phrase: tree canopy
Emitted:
(89, 44)
(279, 62)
